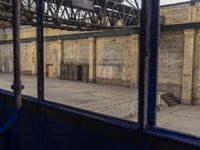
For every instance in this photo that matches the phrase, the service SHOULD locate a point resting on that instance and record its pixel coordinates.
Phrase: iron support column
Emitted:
(40, 50)
(148, 63)
(17, 85)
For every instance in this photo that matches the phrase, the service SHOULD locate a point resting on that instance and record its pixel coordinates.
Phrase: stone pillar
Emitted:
(92, 59)
(11, 58)
(196, 80)
(75, 58)
(59, 56)
(134, 60)
(187, 78)
(34, 57)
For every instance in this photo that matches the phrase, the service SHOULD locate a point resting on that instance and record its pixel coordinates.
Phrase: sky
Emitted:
(163, 2)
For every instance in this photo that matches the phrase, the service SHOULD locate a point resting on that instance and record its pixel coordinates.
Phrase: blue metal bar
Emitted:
(143, 45)
(152, 56)
(148, 63)
(171, 135)
(9, 123)
(40, 50)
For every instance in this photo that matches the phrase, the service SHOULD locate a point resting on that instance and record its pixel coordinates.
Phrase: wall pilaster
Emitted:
(187, 78)
(92, 59)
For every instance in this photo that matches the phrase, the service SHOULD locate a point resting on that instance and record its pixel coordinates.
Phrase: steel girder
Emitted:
(63, 14)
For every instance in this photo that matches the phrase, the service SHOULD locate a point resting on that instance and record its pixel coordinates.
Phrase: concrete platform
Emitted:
(115, 101)
(110, 100)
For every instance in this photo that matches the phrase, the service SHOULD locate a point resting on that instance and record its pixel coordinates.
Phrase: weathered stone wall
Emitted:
(113, 59)
(28, 57)
(6, 60)
(30, 32)
(76, 51)
(170, 62)
(53, 51)
(117, 60)
(196, 71)
(181, 13)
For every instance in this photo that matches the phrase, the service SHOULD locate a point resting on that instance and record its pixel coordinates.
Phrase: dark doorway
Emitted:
(80, 72)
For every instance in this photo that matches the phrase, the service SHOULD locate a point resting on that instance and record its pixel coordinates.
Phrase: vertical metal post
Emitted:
(148, 63)
(17, 85)
(153, 62)
(40, 49)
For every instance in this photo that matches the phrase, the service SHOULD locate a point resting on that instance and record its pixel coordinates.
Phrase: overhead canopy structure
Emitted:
(76, 14)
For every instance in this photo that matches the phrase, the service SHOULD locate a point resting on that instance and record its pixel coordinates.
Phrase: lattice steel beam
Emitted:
(75, 14)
